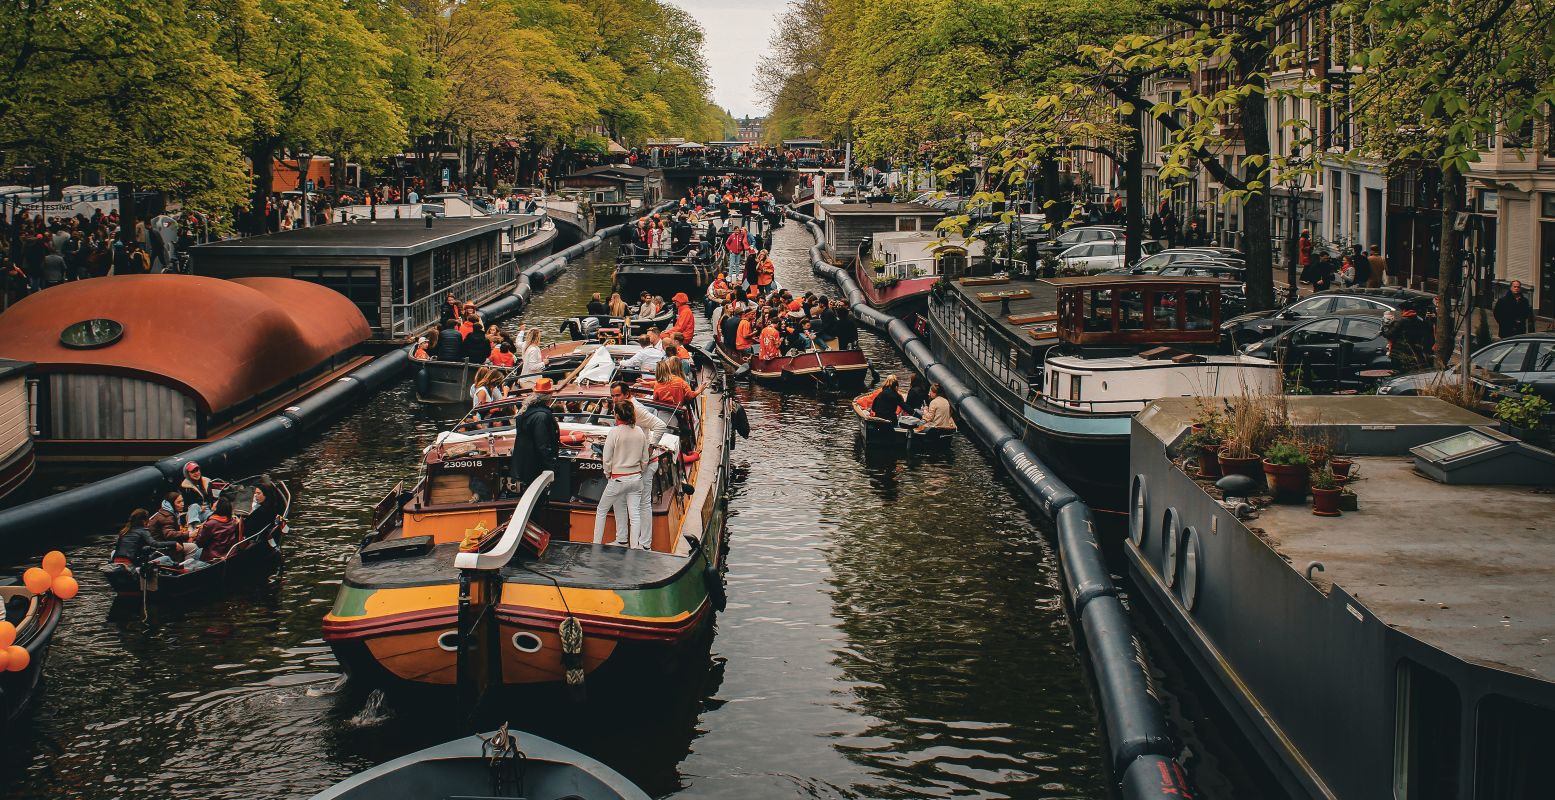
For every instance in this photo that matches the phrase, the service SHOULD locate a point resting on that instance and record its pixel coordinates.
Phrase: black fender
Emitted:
(713, 581)
(741, 421)
(423, 382)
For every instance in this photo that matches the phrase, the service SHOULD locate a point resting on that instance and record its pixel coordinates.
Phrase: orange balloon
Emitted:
(64, 573)
(5, 658)
(54, 562)
(19, 658)
(7, 634)
(65, 587)
(37, 580)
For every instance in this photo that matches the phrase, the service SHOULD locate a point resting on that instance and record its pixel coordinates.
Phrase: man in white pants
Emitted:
(626, 448)
(642, 535)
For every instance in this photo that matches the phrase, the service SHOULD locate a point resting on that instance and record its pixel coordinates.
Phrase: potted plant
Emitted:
(877, 265)
(1287, 466)
(1237, 457)
(1325, 493)
(1522, 415)
(1205, 443)
(1347, 499)
(1341, 466)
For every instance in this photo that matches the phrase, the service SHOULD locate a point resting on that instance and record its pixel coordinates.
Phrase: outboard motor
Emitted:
(589, 328)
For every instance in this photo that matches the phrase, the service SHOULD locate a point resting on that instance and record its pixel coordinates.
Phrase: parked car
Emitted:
(1329, 353)
(1525, 360)
(1027, 226)
(1101, 256)
(1259, 325)
(1082, 235)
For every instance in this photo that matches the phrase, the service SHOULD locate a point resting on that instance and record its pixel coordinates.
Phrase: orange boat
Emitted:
(398, 610)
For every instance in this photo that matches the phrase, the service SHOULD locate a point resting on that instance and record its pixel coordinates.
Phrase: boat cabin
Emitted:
(905, 255)
(846, 224)
(1128, 309)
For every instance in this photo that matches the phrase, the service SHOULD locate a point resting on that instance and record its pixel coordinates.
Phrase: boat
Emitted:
(259, 551)
(661, 275)
(447, 383)
(18, 458)
(1068, 362)
(828, 369)
(1398, 649)
(35, 617)
(498, 764)
(595, 327)
(896, 269)
(397, 614)
(878, 432)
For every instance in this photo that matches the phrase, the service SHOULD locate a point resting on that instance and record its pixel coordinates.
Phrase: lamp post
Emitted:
(304, 160)
(1293, 234)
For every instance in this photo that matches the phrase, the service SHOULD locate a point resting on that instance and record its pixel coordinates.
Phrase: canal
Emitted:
(895, 629)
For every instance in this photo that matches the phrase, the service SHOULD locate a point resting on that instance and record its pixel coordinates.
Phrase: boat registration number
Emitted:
(474, 462)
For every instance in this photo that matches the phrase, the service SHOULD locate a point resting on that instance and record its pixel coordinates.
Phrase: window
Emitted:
(359, 285)
(1131, 310)
(1543, 357)
(1361, 329)
(1163, 310)
(1490, 356)
(1098, 310)
(1074, 388)
(1324, 331)
(1425, 735)
(1197, 310)
(1313, 307)
(1514, 357)
(907, 223)
(1512, 745)
(1346, 303)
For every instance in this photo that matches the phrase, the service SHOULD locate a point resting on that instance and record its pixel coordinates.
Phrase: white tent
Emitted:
(690, 146)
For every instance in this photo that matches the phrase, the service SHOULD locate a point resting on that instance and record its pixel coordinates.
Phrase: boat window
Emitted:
(1198, 310)
(91, 333)
(1131, 310)
(1163, 309)
(1074, 388)
(1425, 735)
(1513, 742)
(1098, 311)
(1052, 383)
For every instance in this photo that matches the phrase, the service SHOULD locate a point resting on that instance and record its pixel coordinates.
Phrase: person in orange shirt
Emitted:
(501, 355)
(765, 272)
(685, 318)
(744, 340)
(670, 386)
(770, 342)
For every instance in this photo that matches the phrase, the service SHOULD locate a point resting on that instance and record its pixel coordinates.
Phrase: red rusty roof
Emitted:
(221, 341)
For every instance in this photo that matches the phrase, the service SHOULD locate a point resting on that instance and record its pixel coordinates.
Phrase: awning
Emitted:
(615, 147)
(689, 146)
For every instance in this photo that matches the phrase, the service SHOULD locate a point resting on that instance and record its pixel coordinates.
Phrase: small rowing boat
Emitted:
(878, 432)
(33, 616)
(499, 764)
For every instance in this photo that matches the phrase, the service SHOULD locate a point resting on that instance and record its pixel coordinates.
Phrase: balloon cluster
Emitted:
(52, 576)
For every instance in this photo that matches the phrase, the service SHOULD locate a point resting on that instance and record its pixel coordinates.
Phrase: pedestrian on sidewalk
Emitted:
(1513, 312)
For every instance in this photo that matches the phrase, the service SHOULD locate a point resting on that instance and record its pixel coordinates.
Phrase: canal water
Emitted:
(894, 629)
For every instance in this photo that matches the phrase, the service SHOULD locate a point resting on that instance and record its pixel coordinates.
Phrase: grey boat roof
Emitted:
(1043, 300)
(386, 237)
(1464, 568)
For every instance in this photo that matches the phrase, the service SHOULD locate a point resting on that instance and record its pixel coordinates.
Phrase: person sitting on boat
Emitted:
(451, 310)
(616, 307)
(887, 404)
(648, 306)
(534, 357)
(220, 532)
(137, 546)
(917, 394)
(626, 450)
(197, 492)
(717, 294)
(771, 342)
(937, 414)
(670, 386)
(537, 441)
(685, 318)
(476, 348)
(450, 343)
(266, 510)
(168, 525)
(646, 359)
(596, 306)
(501, 356)
(421, 351)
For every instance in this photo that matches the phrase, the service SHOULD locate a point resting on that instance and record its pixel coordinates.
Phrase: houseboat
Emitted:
(397, 612)
(397, 272)
(896, 269)
(1401, 649)
(104, 385)
(846, 223)
(17, 457)
(1068, 361)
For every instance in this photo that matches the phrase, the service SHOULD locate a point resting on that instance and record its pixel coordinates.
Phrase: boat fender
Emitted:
(570, 631)
(1039, 485)
(742, 423)
(954, 390)
(423, 382)
(983, 423)
(1085, 571)
(1155, 778)
(919, 355)
(691, 458)
(713, 580)
(1135, 724)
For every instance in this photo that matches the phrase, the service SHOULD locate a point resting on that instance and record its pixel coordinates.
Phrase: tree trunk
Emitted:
(1446, 267)
(128, 214)
(1058, 211)
(261, 153)
(1134, 180)
(1257, 243)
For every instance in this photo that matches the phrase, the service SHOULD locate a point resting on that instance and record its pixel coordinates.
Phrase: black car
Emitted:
(1525, 360)
(1259, 325)
(1329, 353)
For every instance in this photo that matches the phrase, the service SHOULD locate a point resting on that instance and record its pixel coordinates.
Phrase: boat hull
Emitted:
(662, 278)
(18, 468)
(906, 296)
(18, 690)
(833, 368)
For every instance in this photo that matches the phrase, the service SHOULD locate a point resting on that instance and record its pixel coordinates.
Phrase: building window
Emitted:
(907, 223)
(1547, 204)
(359, 285)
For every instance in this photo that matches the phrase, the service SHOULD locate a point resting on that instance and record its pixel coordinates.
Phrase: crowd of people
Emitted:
(37, 252)
(749, 156)
(195, 525)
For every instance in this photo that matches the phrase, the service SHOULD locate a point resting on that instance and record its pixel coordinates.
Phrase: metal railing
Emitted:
(410, 318)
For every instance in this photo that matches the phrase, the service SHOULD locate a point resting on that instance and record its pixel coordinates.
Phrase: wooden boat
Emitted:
(878, 432)
(595, 327)
(397, 613)
(446, 384)
(826, 368)
(259, 551)
(512, 764)
(36, 617)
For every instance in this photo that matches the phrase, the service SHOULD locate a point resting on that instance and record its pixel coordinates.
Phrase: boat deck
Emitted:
(571, 564)
(1464, 568)
(1043, 300)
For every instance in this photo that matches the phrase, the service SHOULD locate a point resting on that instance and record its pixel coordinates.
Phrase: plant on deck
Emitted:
(1286, 454)
(1525, 410)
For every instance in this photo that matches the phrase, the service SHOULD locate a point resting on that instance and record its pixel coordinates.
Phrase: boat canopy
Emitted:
(1126, 309)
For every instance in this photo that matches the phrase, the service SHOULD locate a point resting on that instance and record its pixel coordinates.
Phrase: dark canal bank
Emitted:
(894, 629)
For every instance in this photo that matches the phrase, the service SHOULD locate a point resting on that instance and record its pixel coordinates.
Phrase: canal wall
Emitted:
(110, 499)
(1141, 746)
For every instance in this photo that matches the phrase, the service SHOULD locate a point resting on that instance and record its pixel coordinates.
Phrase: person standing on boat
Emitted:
(685, 318)
(738, 246)
(537, 440)
(626, 450)
(771, 341)
(654, 428)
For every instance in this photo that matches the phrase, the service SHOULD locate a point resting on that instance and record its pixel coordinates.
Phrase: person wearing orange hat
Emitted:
(537, 441)
(685, 318)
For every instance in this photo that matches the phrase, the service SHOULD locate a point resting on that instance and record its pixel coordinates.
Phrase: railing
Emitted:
(413, 317)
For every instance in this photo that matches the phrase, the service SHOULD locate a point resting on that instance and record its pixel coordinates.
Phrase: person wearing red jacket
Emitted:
(219, 533)
(685, 318)
(738, 246)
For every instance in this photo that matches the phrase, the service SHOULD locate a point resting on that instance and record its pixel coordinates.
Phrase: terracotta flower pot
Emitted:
(1325, 502)
(1287, 482)
(1318, 454)
(1209, 461)
(1231, 465)
(1340, 466)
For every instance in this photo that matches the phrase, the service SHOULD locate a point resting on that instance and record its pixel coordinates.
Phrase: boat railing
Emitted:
(498, 555)
(413, 317)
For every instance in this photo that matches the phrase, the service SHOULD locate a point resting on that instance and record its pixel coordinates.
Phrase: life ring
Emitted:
(573, 437)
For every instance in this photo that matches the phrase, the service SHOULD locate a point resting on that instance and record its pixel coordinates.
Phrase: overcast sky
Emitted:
(737, 34)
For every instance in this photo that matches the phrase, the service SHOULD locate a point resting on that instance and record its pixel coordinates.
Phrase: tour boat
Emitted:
(1068, 362)
(826, 368)
(447, 383)
(596, 327)
(397, 613)
(36, 616)
(259, 551)
(514, 764)
(878, 432)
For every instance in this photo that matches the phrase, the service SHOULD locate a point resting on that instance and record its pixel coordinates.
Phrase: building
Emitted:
(751, 129)
(396, 271)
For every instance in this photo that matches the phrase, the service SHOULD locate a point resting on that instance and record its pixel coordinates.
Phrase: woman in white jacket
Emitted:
(626, 449)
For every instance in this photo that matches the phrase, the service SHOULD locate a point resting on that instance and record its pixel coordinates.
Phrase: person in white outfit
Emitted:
(626, 448)
(654, 428)
(534, 359)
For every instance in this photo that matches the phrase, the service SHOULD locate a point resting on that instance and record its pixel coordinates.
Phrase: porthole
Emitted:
(90, 333)
(1170, 530)
(1138, 509)
(525, 642)
(1190, 567)
(448, 640)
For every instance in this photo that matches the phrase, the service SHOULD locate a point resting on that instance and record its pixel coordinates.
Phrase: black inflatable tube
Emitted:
(1135, 724)
(1139, 739)
(46, 519)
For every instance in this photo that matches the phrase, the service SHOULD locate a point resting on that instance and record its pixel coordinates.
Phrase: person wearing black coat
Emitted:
(537, 442)
(475, 348)
(917, 394)
(137, 545)
(1513, 312)
(845, 330)
(449, 346)
(680, 236)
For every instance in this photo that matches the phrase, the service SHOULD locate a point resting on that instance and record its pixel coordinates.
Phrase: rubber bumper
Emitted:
(1135, 724)
(1156, 778)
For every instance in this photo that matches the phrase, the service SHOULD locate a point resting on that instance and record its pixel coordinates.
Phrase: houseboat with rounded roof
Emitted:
(139, 367)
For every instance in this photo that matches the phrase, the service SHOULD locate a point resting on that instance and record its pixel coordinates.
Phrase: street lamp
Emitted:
(304, 160)
(1293, 235)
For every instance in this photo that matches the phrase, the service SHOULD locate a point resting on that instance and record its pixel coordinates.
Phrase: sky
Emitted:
(737, 34)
